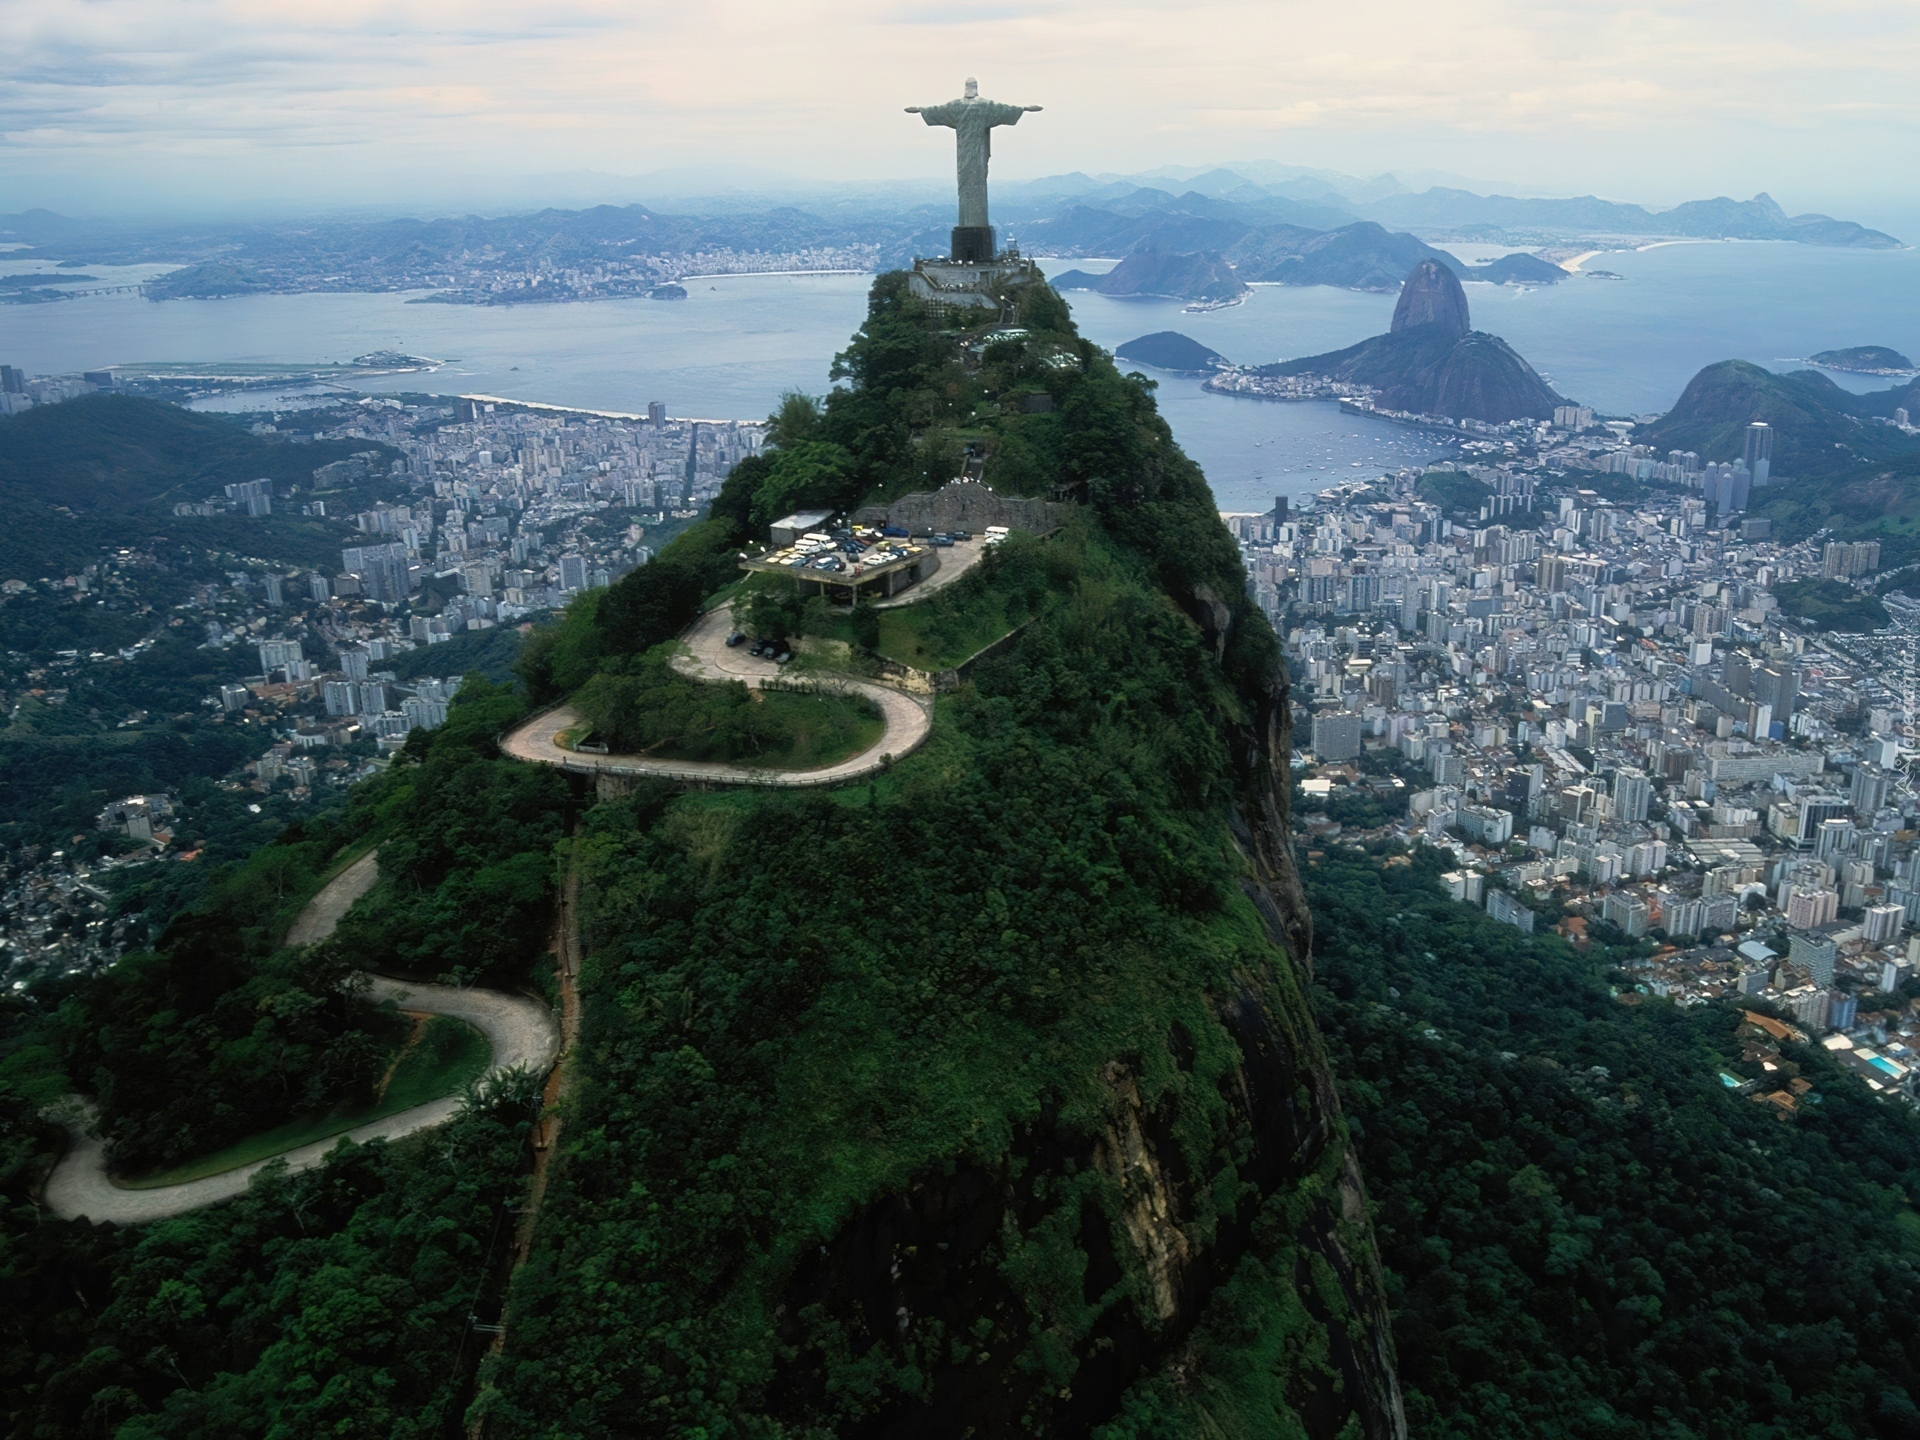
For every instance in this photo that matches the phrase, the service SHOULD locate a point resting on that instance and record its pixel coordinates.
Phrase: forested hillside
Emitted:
(982, 1098)
(338, 1301)
(994, 1095)
(1587, 1233)
(106, 470)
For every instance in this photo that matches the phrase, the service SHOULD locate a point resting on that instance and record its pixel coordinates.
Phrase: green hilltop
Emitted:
(968, 1098)
(993, 1094)
(1835, 465)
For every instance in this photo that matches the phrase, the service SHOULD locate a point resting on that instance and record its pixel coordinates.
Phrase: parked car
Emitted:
(760, 647)
(737, 638)
(962, 534)
(944, 542)
(783, 657)
(895, 532)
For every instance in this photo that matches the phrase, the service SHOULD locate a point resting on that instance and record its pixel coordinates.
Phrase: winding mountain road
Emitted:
(521, 1032)
(907, 721)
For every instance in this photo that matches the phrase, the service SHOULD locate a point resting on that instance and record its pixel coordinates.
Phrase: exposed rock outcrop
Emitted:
(1432, 361)
(1432, 296)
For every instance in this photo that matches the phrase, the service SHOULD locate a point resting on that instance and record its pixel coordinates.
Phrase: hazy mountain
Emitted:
(1178, 275)
(1760, 218)
(1816, 424)
(1518, 269)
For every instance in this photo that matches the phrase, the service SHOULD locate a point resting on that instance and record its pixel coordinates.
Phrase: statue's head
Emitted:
(973, 88)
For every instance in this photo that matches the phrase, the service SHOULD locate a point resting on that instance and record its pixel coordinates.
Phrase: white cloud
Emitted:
(1807, 99)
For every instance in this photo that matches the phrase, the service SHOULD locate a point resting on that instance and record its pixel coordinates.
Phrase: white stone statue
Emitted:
(972, 120)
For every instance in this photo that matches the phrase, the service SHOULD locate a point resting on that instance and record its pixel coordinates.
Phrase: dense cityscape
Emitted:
(489, 516)
(1599, 707)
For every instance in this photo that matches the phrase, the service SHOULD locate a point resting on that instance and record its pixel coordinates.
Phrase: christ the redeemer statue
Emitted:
(972, 120)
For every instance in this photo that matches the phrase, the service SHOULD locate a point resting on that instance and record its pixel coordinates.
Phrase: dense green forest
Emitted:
(1831, 605)
(84, 476)
(493, 653)
(336, 1301)
(1587, 1233)
(981, 1097)
(889, 1097)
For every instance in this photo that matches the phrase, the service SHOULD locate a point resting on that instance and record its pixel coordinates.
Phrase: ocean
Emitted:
(1625, 346)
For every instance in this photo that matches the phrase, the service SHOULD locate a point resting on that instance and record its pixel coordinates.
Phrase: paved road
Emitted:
(326, 909)
(907, 721)
(954, 563)
(521, 1032)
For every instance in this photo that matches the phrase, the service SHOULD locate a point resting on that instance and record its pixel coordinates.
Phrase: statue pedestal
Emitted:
(972, 244)
(961, 284)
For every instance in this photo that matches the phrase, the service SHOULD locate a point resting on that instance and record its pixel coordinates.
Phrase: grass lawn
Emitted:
(932, 634)
(823, 729)
(440, 1058)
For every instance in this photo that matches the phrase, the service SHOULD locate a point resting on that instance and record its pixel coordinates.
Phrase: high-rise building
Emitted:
(1871, 787)
(573, 574)
(1336, 734)
(1844, 560)
(656, 414)
(1808, 908)
(13, 380)
(1777, 687)
(1814, 954)
(277, 654)
(1882, 923)
(1632, 791)
(1738, 675)
(254, 496)
(1842, 1008)
(1759, 453)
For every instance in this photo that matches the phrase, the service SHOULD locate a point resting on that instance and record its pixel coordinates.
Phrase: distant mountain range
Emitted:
(1294, 229)
(1316, 201)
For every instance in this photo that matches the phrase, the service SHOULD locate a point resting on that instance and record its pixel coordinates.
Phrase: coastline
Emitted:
(600, 414)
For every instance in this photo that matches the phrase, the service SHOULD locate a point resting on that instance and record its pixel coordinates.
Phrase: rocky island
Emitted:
(1430, 362)
(1170, 350)
(1864, 360)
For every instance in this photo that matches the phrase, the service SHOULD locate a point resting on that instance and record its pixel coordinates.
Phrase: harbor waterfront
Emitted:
(738, 342)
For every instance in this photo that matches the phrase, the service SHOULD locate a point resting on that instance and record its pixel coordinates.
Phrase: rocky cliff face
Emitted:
(1431, 296)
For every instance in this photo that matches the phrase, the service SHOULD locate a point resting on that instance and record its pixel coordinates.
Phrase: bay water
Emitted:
(1626, 346)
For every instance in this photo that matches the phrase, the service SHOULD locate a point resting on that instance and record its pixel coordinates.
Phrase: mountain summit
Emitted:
(1433, 362)
(1432, 296)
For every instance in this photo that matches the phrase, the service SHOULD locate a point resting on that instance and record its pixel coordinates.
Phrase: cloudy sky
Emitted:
(127, 105)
